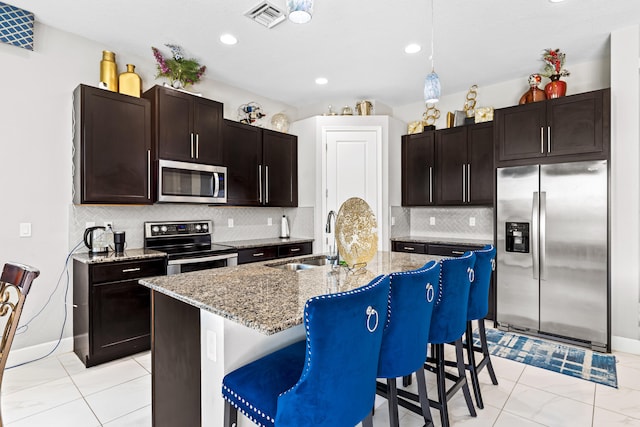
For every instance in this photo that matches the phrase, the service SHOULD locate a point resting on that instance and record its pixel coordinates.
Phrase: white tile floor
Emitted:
(60, 391)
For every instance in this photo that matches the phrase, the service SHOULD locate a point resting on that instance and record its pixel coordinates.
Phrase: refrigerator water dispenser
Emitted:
(517, 234)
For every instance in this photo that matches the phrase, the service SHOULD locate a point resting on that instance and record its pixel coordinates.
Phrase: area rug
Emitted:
(574, 361)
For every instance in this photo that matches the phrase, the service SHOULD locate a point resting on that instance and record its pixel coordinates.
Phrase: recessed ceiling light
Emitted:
(413, 48)
(322, 81)
(228, 39)
(555, 1)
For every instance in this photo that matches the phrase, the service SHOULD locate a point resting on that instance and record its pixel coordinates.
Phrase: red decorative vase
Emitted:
(556, 87)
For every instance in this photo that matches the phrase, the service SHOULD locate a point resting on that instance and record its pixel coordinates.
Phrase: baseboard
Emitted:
(625, 345)
(27, 354)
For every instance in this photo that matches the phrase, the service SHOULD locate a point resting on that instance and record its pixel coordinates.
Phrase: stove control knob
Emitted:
(155, 229)
(164, 228)
(205, 227)
(198, 227)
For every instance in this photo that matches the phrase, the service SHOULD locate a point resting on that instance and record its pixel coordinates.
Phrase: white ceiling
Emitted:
(357, 44)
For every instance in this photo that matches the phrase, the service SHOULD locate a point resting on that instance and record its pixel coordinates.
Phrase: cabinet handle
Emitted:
(266, 185)
(295, 249)
(541, 140)
(197, 145)
(258, 254)
(260, 184)
(548, 139)
(430, 184)
(130, 270)
(464, 180)
(457, 252)
(468, 182)
(191, 142)
(149, 174)
(409, 248)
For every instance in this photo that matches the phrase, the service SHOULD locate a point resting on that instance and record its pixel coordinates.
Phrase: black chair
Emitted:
(15, 284)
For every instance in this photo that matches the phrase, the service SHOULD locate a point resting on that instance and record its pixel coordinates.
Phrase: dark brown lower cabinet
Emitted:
(266, 253)
(112, 312)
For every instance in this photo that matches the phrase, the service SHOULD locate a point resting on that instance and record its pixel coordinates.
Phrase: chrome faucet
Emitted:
(333, 256)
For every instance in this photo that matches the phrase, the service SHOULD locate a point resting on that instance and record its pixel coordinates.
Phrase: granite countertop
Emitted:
(256, 243)
(443, 240)
(270, 299)
(128, 255)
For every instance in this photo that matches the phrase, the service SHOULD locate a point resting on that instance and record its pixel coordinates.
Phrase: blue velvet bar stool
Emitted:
(329, 380)
(477, 310)
(404, 340)
(448, 325)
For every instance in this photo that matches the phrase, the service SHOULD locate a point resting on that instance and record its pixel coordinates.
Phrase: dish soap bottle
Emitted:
(284, 228)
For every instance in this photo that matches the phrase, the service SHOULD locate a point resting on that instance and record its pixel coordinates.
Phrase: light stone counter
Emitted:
(128, 255)
(270, 299)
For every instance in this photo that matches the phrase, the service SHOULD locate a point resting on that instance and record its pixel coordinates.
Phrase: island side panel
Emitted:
(225, 346)
(175, 360)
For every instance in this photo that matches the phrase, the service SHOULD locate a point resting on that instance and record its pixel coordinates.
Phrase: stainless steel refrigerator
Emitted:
(552, 251)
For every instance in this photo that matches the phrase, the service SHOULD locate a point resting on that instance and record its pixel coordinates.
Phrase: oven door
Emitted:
(184, 265)
(191, 182)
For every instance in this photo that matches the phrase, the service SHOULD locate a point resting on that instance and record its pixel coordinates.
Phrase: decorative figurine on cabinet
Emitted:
(534, 93)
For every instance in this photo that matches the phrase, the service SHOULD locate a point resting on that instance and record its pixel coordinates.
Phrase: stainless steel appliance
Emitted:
(188, 246)
(552, 243)
(183, 182)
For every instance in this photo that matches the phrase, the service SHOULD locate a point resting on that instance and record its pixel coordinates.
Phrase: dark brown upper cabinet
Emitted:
(186, 127)
(464, 165)
(262, 166)
(418, 169)
(112, 140)
(569, 128)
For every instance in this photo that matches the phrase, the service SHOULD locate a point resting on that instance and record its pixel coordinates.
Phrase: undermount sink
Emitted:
(302, 264)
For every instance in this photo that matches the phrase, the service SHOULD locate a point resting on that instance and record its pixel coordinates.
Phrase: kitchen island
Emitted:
(208, 323)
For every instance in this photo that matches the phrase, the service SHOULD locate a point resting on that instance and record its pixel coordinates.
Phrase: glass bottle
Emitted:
(129, 83)
(109, 71)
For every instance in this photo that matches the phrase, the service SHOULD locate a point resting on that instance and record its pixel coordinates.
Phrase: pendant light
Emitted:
(432, 81)
(300, 11)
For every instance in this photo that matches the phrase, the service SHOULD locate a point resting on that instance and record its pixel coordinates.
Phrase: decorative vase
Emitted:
(109, 71)
(556, 87)
(129, 83)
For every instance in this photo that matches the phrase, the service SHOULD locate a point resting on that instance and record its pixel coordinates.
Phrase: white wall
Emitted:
(35, 158)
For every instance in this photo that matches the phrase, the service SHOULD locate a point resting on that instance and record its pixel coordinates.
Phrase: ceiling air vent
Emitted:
(266, 14)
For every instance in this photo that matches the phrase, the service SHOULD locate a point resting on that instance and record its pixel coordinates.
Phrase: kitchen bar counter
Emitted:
(128, 255)
(208, 323)
(270, 299)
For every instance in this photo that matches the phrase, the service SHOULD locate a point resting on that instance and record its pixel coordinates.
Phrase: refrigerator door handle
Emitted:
(543, 238)
(430, 184)
(535, 254)
(464, 179)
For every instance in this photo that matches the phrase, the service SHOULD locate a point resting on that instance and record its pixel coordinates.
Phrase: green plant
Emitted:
(180, 71)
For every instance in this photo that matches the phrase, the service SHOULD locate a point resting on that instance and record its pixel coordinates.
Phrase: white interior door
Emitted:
(352, 170)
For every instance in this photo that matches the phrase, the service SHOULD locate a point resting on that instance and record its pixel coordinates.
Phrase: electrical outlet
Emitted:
(25, 229)
(230, 222)
(269, 221)
(393, 220)
(108, 224)
(472, 221)
(432, 220)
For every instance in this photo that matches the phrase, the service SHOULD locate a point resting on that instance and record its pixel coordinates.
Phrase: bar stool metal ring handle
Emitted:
(370, 313)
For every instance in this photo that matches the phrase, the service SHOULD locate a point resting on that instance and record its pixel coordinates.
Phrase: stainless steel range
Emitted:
(188, 246)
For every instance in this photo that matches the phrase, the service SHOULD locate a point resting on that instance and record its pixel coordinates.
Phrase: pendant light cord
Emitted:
(432, 33)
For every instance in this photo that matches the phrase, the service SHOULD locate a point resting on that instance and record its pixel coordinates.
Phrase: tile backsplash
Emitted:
(248, 223)
(443, 222)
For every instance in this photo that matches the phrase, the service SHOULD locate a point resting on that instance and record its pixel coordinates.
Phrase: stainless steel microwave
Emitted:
(182, 182)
